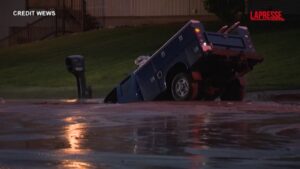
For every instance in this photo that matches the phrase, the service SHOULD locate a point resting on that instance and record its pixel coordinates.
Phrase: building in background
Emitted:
(109, 13)
(70, 16)
(135, 12)
(10, 23)
(81, 15)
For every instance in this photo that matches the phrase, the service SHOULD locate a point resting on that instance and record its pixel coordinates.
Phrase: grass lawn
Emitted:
(280, 69)
(37, 70)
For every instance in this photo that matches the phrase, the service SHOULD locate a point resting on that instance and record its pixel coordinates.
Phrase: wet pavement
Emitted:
(167, 135)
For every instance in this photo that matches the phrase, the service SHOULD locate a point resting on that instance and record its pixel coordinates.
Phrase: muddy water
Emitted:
(150, 135)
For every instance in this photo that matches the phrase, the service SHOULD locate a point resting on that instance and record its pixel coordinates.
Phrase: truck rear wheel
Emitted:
(182, 87)
(235, 91)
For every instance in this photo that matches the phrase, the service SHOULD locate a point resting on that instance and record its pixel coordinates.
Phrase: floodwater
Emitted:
(167, 135)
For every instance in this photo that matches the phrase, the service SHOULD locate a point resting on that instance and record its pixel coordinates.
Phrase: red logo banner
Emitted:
(267, 16)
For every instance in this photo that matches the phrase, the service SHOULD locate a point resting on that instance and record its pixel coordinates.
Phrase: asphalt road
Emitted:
(166, 135)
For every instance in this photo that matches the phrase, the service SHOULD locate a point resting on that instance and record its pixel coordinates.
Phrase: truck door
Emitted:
(162, 60)
(147, 80)
(170, 54)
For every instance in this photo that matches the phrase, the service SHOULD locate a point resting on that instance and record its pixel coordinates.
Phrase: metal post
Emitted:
(63, 18)
(26, 4)
(83, 15)
(103, 12)
(189, 8)
(27, 32)
(56, 11)
(81, 85)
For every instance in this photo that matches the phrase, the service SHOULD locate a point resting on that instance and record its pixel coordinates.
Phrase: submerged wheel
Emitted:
(235, 91)
(182, 87)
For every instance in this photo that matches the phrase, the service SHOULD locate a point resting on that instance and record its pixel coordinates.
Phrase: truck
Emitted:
(193, 64)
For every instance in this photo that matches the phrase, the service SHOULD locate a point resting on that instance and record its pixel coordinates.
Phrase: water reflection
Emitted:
(75, 133)
(70, 164)
(70, 100)
(204, 138)
(170, 135)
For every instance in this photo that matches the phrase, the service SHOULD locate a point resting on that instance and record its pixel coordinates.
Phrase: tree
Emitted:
(227, 10)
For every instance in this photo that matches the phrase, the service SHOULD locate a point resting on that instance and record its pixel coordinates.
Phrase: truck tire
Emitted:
(235, 91)
(182, 87)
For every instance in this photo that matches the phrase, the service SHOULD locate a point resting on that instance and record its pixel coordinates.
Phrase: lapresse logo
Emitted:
(273, 10)
(273, 16)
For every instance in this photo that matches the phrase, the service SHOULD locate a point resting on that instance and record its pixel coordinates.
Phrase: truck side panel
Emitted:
(183, 48)
(147, 81)
(168, 56)
(229, 41)
(128, 90)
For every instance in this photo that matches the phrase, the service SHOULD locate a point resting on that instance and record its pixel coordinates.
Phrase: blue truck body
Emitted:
(191, 44)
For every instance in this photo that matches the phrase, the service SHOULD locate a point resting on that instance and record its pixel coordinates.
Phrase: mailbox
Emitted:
(75, 65)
